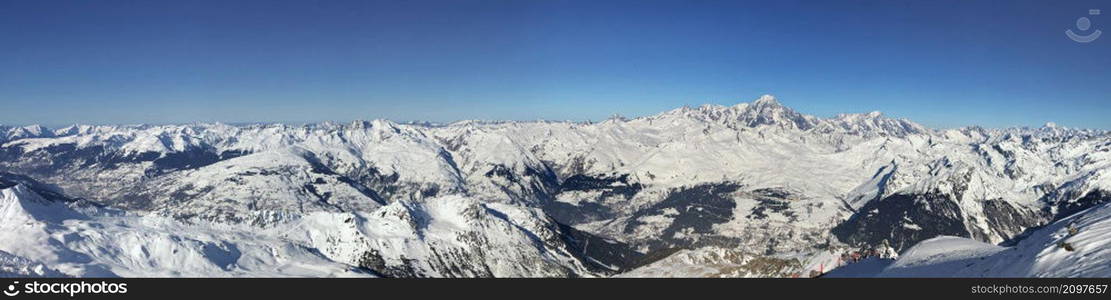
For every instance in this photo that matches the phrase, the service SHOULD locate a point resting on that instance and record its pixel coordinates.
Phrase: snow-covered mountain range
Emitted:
(754, 189)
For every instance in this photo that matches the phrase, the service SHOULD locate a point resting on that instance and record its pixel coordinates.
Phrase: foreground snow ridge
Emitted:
(1073, 247)
(750, 190)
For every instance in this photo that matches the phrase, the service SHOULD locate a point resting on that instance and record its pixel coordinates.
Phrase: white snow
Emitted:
(1041, 254)
(437, 186)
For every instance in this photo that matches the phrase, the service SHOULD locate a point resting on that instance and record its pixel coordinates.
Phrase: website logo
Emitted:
(11, 291)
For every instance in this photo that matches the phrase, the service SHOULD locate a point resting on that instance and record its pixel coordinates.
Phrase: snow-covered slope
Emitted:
(1077, 246)
(15, 266)
(450, 236)
(577, 199)
(735, 262)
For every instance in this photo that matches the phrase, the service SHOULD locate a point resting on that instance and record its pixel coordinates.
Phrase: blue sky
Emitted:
(941, 63)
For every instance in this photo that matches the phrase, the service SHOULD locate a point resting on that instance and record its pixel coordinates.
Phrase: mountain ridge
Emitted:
(755, 180)
(765, 110)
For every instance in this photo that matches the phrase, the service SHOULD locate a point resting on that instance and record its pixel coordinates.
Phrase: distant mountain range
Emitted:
(751, 190)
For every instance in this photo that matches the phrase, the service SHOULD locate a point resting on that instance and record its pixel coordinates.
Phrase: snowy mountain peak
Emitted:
(381, 127)
(361, 124)
(30, 131)
(15, 192)
(870, 124)
(766, 100)
(22, 204)
(767, 111)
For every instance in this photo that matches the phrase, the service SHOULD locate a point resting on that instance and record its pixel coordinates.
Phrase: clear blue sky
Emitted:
(941, 63)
